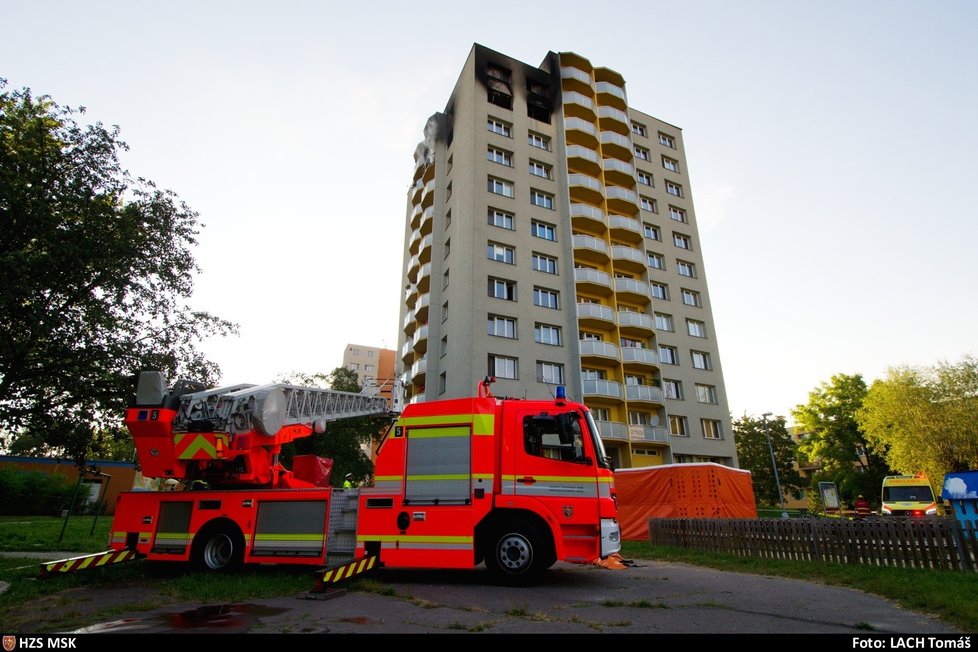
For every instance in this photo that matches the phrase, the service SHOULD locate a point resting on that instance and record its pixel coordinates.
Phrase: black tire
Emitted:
(218, 547)
(517, 554)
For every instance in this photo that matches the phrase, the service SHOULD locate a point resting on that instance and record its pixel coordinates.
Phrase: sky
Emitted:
(830, 148)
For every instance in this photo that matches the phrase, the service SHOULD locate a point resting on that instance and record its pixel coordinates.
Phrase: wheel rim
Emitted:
(218, 551)
(515, 553)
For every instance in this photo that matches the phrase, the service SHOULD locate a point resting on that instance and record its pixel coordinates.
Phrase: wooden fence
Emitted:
(941, 543)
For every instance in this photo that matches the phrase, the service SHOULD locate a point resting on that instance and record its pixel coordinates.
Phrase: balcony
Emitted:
(420, 340)
(414, 263)
(632, 355)
(408, 349)
(612, 430)
(583, 159)
(628, 258)
(427, 220)
(644, 393)
(424, 254)
(612, 119)
(626, 228)
(588, 217)
(619, 172)
(429, 173)
(589, 313)
(575, 79)
(428, 196)
(421, 310)
(635, 290)
(638, 321)
(411, 295)
(580, 132)
(596, 348)
(416, 191)
(416, 217)
(613, 94)
(418, 371)
(584, 188)
(617, 145)
(602, 389)
(591, 249)
(622, 200)
(578, 106)
(417, 398)
(593, 280)
(414, 242)
(409, 323)
(658, 434)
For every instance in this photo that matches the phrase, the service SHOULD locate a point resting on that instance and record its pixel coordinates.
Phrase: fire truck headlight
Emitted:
(931, 511)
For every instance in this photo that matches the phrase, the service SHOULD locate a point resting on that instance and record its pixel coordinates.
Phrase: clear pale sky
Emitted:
(831, 148)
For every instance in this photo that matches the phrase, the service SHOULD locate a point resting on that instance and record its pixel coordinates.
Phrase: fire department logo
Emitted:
(9, 643)
(568, 511)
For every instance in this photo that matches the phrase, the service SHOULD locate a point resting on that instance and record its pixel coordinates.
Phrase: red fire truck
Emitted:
(518, 484)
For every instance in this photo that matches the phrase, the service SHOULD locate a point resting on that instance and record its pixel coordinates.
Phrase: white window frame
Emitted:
(495, 216)
(692, 298)
(670, 164)
(541, 199)
(672, 389)
(696, 328)
(639, 130)
(645, 179)
(685, 268)
(547, 334)
(501, 253)
(498, 186)
(674, 189)
(548, 231)
(506, 284)
(544, 297)
(682, 241)
(541, 170)
(499, 326)
(660, 262)
(551, 373)
(701, 355)
(501, 127)
(667, 324)
(668, 355)
(508, 364)
(678, 425)
(544, 263)
(648, 204)
(706, 394)
(662, 295)
(642, 153)
(678, 214)
(539, 141)
(652, 232)
(715, 429)
(667, 140)
(500, 156)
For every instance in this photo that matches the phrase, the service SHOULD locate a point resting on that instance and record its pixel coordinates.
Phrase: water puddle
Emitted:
(219, 618)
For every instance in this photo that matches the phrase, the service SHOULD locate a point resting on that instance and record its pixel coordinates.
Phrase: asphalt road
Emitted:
(652, 598)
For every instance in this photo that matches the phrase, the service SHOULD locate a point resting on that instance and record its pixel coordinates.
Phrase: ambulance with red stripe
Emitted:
(516, 484)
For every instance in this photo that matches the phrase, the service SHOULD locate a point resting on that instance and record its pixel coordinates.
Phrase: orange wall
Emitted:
(122, 474)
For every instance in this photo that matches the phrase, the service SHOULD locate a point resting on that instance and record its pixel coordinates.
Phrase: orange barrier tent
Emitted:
(704, 490)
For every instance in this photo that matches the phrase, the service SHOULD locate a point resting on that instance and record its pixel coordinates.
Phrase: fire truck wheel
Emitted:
(517, 553)
(218, 547)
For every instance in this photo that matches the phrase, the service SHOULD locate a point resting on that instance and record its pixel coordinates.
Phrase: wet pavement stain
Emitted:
(219, 618)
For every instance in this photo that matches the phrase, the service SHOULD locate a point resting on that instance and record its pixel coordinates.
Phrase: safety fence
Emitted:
(941, 543)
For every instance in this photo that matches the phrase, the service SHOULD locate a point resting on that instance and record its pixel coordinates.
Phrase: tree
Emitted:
(835, 440)
(95, 274)
(755, 456)
(342, 442)
(925, 419)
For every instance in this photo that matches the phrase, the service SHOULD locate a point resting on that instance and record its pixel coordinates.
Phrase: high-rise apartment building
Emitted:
(551, 239)
(373, 366)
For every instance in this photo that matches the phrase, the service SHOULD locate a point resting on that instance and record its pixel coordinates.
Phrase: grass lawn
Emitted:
(40, 533)
(952, 596)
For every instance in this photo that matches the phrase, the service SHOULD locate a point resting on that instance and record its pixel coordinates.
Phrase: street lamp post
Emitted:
(774, 464)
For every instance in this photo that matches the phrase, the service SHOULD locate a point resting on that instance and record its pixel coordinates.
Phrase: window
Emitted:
(499, 218)
(639, 418)
(593, 374)
(550, 372)
(642, 153)
(539, 140)
(502, 326)
(706, 393)
(696, 328)
(556, 437)
(587, 336)
(682, 241)
(545, 298)
(445, 279)
(663, 322)
(501, 366)
(542, 199)
(648, 204)
(444, 345)
(500, 156)
(670, 164)
(499, 93)
(444, 311)
(674, 189)
(543, 230)
(369, 367)
(677, 214)
(656, 261)
(659, 291)
(448, 247)
(672, 389)
(354, 366)
(645, 179)
(701, 360)
(686, 269)
(500, 187)
(668, 355)
(677, 425)
(442, 382)
(540, 169)
(502, 289)
(537, 111)
(692, 298)
(628, 343)
(601, 414)
(500, 252)
(634, 380)
(500, 127)
(712, 429)
(499, 72)
(543, 263)
(546, 334)
(370, 354)
(639, 130)
(668, 141)
(448, 191)
(355, 351)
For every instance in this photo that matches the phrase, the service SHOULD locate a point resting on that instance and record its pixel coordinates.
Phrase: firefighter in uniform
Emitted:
(348, 481)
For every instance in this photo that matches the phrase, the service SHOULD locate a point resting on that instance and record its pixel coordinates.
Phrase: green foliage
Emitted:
(755, 456)
(95, 272)
(925, 419)
(342, 440)
(33, 492)
(836, 441)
